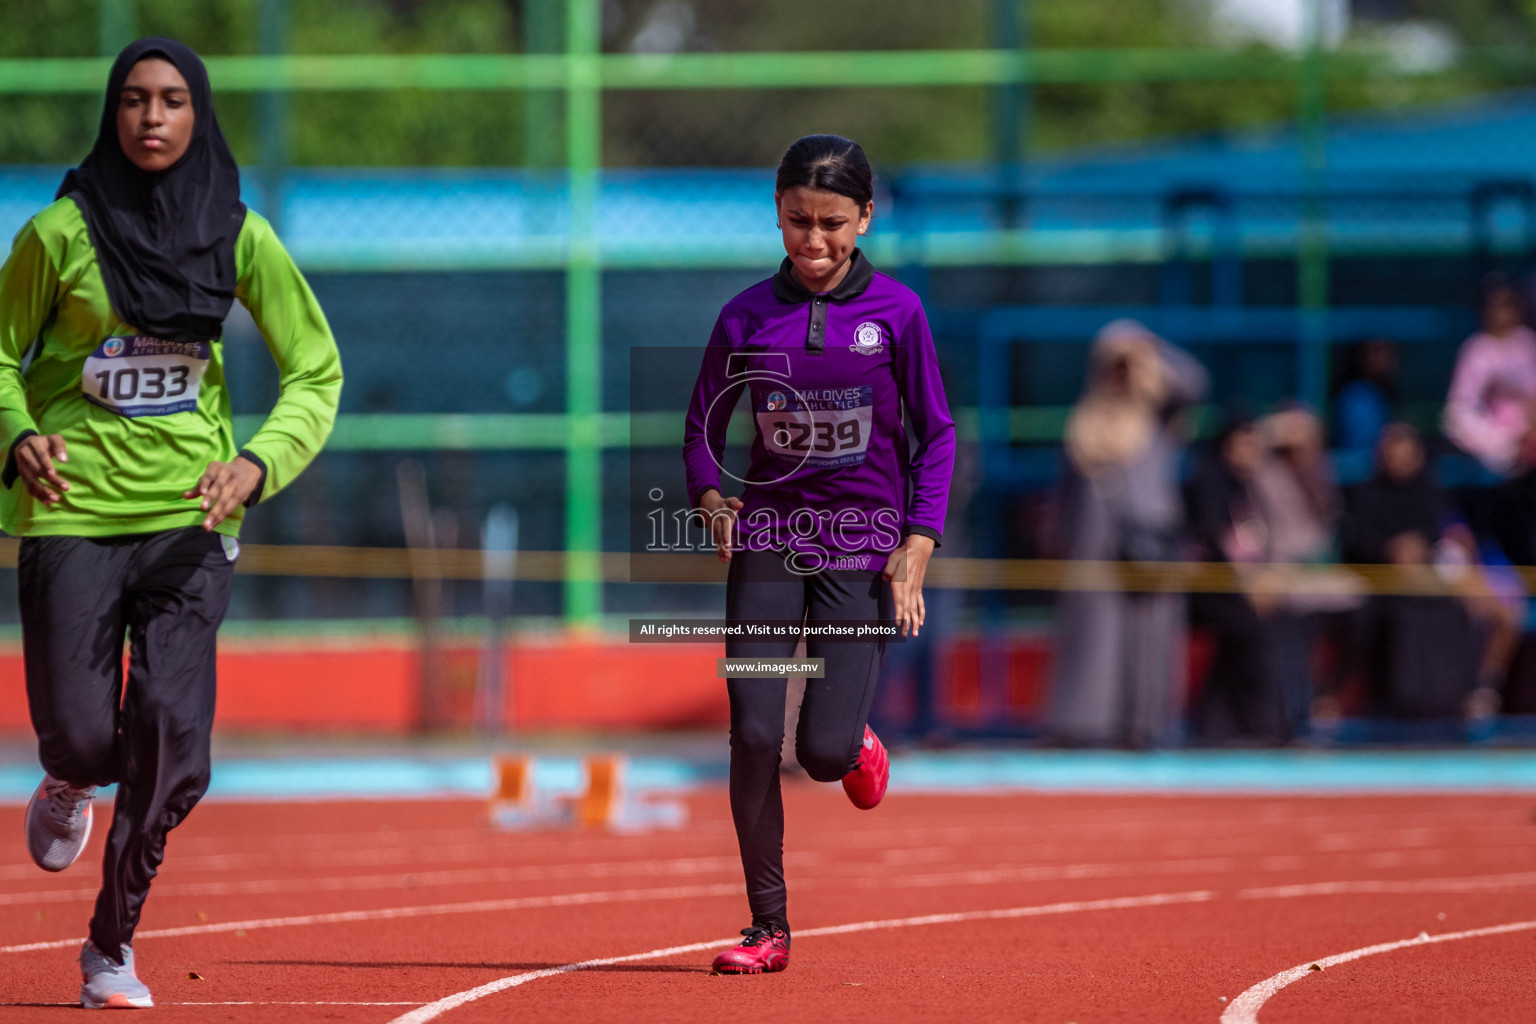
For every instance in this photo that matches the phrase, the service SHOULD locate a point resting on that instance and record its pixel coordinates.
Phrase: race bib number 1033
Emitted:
(140, 376)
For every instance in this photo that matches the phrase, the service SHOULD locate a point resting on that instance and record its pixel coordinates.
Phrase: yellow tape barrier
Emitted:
(1340, 581)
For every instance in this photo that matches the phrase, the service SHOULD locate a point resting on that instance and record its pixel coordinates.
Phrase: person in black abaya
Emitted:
(1420, 652)
(1260, 645)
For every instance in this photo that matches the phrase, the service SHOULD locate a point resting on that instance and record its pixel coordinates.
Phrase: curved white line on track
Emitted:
(1245, 1008)
(434, 1010)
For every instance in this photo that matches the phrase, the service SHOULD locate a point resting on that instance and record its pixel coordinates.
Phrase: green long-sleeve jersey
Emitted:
(141, 418)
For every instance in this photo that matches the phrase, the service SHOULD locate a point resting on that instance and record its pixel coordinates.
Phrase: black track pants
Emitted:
(79, 597)
(832, 716)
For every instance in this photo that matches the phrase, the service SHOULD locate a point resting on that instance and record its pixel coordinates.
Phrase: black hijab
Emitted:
(165, 241)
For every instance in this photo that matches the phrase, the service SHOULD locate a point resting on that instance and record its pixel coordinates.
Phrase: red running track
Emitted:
(1018, 907)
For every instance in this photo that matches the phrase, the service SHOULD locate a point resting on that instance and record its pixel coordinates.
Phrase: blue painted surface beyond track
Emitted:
(1290, 771)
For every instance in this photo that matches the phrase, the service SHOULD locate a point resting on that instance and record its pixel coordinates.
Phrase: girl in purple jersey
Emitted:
(840, 510)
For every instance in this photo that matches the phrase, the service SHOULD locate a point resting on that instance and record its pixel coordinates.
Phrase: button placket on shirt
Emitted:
(816, 334)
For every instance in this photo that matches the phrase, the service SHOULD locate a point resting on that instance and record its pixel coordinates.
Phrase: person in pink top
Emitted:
(1491, 409)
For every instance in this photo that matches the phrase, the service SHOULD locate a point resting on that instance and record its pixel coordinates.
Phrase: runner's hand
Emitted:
(225, 486)
(905, 570)
(35, 458)
(721, 515)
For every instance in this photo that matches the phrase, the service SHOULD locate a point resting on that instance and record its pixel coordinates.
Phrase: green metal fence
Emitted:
(583, 75)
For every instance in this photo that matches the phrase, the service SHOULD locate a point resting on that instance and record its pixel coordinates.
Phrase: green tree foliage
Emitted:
(1069, 116)
(48, 129)
(750, 128)
(406, 127)
(731, 127)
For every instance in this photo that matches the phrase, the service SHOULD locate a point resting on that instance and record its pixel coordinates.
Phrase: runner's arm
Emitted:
(29, 289)
(933, 460)
(704, 429)
(308, 363)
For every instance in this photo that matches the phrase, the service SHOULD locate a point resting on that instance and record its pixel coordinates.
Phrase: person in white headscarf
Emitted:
(1120, 657)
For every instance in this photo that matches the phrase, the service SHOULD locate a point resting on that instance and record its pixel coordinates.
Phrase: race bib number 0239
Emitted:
(139, 376)
(823, 427)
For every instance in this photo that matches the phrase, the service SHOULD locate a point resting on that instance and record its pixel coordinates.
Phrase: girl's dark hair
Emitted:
(830, 163)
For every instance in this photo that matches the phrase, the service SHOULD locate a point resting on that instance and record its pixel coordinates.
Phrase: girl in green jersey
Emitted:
(121, 474)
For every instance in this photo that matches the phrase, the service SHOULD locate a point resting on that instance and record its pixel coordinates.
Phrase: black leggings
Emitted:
(832, 716)
(79, 597)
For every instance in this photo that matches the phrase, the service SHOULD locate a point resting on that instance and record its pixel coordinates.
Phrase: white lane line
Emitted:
(934, 880)
(302, 1002)
(855, 874)
(384, 856)
(1245, 1008)
(431, 910)
(259, 1002)
(434, 1010)
(1475, 883)
(401, 847)
(984, 876)
(1246, 828)
(858, 874)
(691, 866)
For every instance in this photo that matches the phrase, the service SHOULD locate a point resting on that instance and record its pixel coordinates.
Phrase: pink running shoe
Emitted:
(865, 785)
(764, 951)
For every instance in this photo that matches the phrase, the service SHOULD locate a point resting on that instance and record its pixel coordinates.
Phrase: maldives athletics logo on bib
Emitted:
(867, 340)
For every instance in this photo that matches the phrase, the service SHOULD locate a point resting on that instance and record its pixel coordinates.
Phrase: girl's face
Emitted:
(821, 230)
(154, 115)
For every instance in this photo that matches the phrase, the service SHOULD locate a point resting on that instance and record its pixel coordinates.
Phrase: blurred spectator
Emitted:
(1263, 648)
(1294, 483)
(1495, 597)
(1368, 398)
(1493, 389)
(1489, 412)
(1395, 517)
(1297, 489)
(1120, 657)
(1421, 652)
(1417, 651)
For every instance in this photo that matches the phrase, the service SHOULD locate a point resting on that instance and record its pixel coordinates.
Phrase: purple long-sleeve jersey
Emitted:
(828, 378)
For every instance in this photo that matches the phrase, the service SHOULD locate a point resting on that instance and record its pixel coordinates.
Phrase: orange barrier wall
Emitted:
(372, 685)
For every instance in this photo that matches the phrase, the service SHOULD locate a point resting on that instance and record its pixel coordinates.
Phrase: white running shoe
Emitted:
(58, 822)
(109, 985)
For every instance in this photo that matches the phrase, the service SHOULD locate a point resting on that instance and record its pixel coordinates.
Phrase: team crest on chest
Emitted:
(867, 340)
